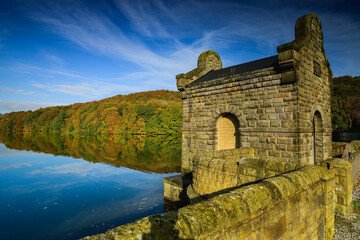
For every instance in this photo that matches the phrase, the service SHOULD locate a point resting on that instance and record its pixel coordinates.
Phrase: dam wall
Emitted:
(299, 204)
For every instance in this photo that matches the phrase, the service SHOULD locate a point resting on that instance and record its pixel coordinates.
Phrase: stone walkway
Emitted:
(349, 227)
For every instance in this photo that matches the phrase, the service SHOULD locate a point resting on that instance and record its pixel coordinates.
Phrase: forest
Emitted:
(156, 113)
(150, 113)
(345, 104)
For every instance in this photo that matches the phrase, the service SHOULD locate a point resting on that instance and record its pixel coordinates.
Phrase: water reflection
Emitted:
(159, 154)
(61, 197)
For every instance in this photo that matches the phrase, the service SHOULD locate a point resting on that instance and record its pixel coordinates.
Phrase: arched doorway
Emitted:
(227, 128)
(317, 139)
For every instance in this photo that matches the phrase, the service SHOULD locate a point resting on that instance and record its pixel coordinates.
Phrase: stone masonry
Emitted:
(279, 106)
(252, 134)
(294, 205)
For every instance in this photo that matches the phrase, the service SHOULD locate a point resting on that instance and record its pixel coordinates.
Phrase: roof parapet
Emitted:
(207, 61)
(308, 31)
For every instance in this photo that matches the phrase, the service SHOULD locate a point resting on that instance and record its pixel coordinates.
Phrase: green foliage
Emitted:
(59, 121)
(138, 113)
(9, 125)
(160, 154)
(121, 110)
(146, 111)
(356, 205)
(345, 103)
(155, 112)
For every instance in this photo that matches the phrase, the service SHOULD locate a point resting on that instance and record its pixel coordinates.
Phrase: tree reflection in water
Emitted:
(159, 154)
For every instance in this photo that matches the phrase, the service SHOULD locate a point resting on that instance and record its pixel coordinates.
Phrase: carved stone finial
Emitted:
(207, 61)
(308, 34)
(308, 30)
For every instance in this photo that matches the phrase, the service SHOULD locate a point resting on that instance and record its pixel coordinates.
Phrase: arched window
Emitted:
(227, 128)
(317, 139)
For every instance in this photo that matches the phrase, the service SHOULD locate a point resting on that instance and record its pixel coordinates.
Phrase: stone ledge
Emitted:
(175, 188)
(228, 210)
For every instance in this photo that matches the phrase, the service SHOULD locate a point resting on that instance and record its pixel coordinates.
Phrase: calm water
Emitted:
(50, 196)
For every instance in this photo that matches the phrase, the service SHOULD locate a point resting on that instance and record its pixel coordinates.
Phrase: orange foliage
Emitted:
(151, 112)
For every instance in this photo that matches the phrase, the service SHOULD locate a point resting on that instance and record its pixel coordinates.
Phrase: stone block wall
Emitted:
(354, 160)
(355, 146)
(295, 205)
(314, 73)
(264, 108)
(173, 189)
(349, 152)
(254, 168)
(212, 175)
(218, 170)
(282, 110)
(343, 184)
(338, 148)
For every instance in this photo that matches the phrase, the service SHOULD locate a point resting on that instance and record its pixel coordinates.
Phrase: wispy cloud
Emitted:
(16, 91)
(144, 19)
(82, 169)
(43, 71)
(56, 60)
(124, 207)
(7, 152)
(11, 106)
(149, 42)
(91, 90)
(100, 35)
(97, 33)
(15, 165)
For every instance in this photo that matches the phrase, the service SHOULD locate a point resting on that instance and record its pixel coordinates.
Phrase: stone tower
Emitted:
(279, 105)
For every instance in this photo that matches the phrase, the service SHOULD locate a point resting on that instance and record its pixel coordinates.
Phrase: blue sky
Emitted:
(64, 52)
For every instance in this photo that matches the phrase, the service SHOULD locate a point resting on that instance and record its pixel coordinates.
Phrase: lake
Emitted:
(68, 187)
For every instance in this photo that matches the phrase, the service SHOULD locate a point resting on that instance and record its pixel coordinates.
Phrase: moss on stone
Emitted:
(230, 167)
(275, 166)
(249, 161)
(284, 185)
(217, 164)
(355, 146)
(257, 197)
(314, 175)
(203, 58)
(225, 211)
(305, 177)
(324, 173)
(340, 163)
(296, 179)
(289, 166)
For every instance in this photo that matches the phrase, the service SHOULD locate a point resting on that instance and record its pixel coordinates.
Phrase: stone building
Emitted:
(279, 105)
(257, 140)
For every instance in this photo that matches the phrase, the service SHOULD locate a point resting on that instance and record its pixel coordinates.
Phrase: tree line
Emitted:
(156, 113)
(152, 113)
